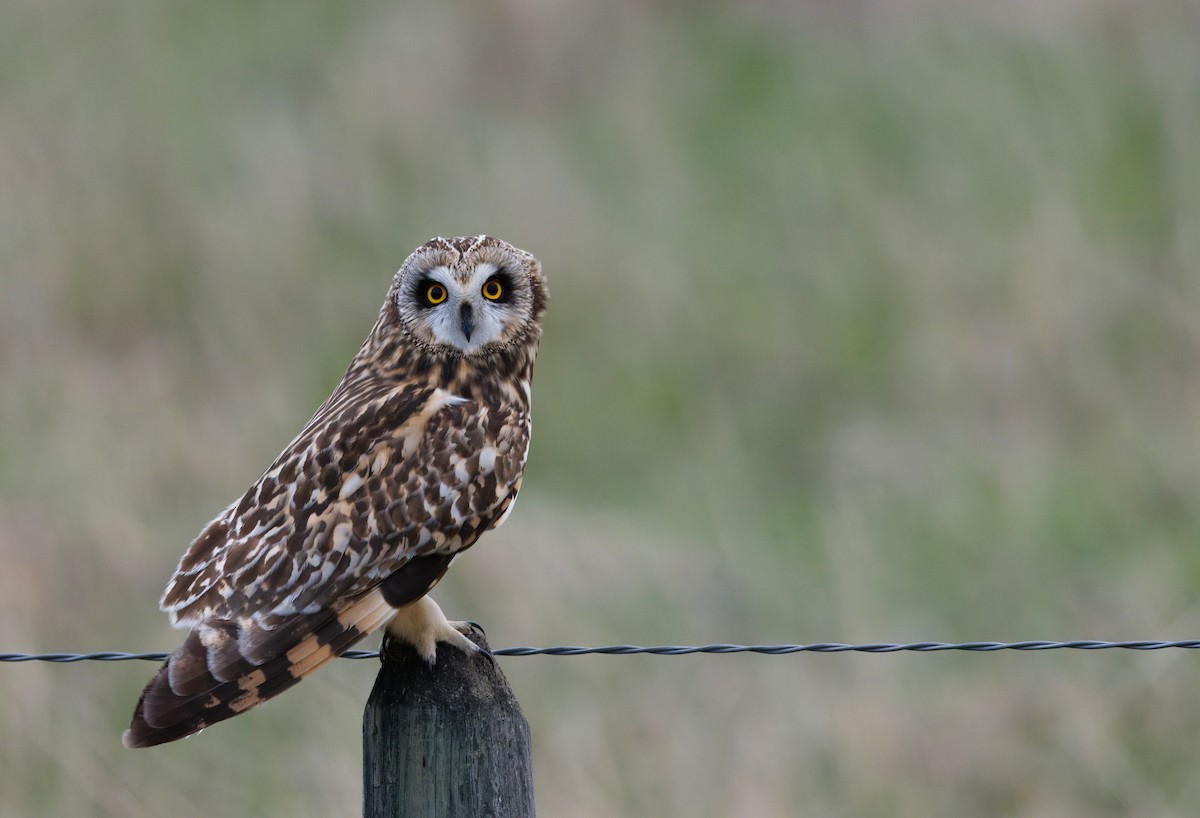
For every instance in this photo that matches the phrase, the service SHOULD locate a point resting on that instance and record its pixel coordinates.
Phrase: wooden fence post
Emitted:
(444, 742)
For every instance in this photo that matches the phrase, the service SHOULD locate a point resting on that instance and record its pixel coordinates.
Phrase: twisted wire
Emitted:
(681, 650)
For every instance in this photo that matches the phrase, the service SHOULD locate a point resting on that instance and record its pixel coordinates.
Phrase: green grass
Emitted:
(864, 325)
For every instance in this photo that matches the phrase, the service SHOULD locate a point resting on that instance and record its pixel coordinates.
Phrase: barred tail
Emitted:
(224, 668)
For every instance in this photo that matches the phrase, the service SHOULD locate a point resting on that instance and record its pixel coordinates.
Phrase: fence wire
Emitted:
(683, 650)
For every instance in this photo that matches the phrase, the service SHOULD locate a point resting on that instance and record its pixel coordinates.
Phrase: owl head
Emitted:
(469, 296)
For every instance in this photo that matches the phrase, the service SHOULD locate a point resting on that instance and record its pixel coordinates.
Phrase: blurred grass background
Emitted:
(869, 321)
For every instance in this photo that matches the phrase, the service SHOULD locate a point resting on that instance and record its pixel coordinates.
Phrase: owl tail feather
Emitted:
(224, 668)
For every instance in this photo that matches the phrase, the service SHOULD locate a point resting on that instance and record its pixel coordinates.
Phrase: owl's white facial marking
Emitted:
(457, 311)
(466, 306)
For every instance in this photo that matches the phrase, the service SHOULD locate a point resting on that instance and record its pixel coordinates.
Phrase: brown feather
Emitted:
(201, 684)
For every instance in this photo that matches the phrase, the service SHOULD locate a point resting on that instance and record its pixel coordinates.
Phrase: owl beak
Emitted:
(467, 317)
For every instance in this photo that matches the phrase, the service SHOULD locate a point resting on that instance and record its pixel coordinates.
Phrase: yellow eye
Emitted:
(435, 294)
(492, 290)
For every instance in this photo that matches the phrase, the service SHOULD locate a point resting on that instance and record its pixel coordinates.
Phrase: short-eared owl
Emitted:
(418, 451)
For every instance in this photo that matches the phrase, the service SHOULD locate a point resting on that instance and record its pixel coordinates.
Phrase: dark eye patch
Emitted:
(420, 293)
(502, 278)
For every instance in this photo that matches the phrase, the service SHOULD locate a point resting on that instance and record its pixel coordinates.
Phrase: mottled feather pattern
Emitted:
(419, 450)
(209, 679)
(375, 499)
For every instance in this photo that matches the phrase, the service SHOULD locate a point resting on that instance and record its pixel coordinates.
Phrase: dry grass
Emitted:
(868, 323)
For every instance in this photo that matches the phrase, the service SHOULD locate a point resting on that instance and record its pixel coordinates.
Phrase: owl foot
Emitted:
(422, 625)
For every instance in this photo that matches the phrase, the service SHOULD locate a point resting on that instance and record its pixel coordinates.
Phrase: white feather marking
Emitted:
(441, 398)
(487, 459)
(327, 571)
(351, 484)
(381, 461)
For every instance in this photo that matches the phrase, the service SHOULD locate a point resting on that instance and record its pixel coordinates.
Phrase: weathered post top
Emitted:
(447, 741)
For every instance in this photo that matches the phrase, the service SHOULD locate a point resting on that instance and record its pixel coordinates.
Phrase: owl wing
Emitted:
(385, 486)
(401, 472)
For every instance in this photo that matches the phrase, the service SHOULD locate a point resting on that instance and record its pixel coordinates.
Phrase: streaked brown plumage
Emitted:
(418, 451)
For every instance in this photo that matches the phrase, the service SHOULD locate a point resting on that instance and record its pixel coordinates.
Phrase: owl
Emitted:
(419, 450)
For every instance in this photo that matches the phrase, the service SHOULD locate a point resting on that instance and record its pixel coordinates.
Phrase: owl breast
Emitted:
(464, 476)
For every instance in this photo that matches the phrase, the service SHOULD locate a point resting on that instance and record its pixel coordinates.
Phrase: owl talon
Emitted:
(472, 625)
(468, 626)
